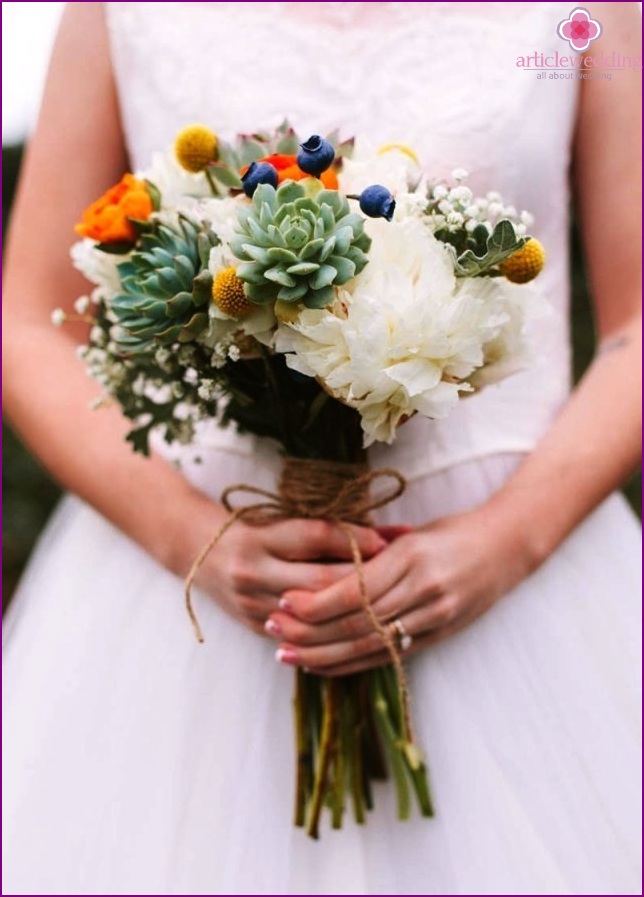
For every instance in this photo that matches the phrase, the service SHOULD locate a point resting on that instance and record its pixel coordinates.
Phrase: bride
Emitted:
(137, 761)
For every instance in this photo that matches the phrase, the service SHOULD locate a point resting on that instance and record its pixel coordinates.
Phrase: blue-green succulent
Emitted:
(165, 287)
(296, 247)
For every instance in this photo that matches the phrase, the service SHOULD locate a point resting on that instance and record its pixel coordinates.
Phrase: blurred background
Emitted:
(28, 31)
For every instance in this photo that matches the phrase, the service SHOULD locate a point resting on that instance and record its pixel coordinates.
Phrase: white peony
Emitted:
(407, 336)
(222, 215)
(98, 267)
(393, 169)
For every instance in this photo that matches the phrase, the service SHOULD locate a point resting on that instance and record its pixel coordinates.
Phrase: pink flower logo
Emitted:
(579, 29)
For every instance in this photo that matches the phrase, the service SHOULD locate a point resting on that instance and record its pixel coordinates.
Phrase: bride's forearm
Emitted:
(47, 397)
(590, 450)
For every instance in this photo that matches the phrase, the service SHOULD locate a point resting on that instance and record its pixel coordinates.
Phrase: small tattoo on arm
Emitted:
(611, 345)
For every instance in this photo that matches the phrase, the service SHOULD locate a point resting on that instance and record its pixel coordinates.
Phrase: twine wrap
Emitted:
(327, 490)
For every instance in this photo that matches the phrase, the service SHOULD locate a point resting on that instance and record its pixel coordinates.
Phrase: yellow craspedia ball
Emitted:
(524, 264)
(401, 147)
(195, 148)
(228, 294)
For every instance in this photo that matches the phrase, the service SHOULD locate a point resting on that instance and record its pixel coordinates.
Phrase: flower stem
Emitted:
(329, 722)
(355, 735)
(303, 746)
(339, 755)
(211, 183)
(391, 742)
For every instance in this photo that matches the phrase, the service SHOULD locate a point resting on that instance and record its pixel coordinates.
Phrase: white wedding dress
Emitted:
(139, 762)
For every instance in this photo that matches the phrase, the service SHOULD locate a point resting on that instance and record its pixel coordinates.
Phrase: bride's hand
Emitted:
(435, 580)
(252, 566)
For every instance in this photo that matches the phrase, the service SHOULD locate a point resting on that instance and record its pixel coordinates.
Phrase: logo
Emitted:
(579, 29)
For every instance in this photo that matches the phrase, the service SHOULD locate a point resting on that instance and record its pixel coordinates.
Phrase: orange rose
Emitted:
(288, 170)
(107, 219)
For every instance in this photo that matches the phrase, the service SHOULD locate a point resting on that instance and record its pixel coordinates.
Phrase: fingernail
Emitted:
(287, 655)
(284, 604)
(272, 627)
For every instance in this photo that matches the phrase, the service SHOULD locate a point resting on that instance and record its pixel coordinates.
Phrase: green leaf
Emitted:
(185, 269)
(139, 439)
(292, 294)
(154, 194)
(318, 298)
(279, 275)
(289, 192)
(259, 293)
(323, 277)
(312, 248)
(265, 216)
(202, 288)
(205, 242)
(303, 268)
(256, 253)
(251, 272)
(276, 236)
(225, 176)
(333, 199)
(500, 244)
(260, 236)
(251, 151)
(288, 144)
(178, 305)
(296, 237)
(343, 238)
(277, 255)
(169, 280)
(358, 257)
(327, 248)
(345, 267)
(263, 193)
(121, 248)
(227, 156)
(196, 325)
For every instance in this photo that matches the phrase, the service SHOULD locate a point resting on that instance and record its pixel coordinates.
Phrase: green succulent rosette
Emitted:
(295, 247)
(165, 287)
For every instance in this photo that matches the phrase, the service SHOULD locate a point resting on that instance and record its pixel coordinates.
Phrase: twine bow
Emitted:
(324, 490)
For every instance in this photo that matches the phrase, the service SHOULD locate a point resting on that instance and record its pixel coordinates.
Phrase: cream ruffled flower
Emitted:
(407, 336)
(174, 183)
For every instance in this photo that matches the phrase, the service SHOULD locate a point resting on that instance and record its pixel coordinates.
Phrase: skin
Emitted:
(435, 578)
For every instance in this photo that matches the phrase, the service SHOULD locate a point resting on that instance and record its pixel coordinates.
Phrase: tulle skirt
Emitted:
(140, 762)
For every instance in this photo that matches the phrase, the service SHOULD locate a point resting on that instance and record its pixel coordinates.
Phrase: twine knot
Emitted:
(326, 490)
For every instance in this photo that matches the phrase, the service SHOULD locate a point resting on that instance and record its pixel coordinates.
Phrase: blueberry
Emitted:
(377, 202)
(315, 155)
(258, 173)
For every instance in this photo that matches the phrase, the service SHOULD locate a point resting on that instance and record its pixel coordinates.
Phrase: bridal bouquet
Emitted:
(319, 293)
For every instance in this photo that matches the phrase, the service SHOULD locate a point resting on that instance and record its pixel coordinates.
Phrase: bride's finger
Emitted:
(280, 577)
(419, 623)
(272, 576)
(305, 540)
(419, 643)
(395, 603)
(381, 574)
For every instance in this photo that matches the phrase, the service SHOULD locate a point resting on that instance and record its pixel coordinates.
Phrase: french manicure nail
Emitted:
(272, 627)
(284, 604)
(287, 655)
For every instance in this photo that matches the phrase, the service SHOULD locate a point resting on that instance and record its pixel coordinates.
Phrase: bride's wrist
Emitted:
(529, 533)
(191, 520)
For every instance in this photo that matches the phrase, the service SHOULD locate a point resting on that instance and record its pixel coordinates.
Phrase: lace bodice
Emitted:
(441, 77)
